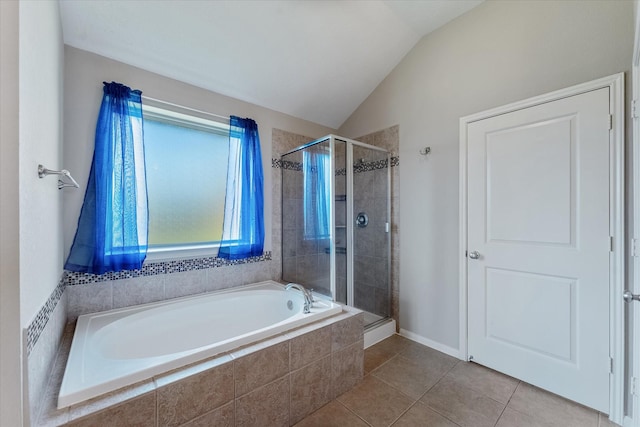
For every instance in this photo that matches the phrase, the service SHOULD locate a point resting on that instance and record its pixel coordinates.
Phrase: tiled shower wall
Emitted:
(371, 242)
(388, 139)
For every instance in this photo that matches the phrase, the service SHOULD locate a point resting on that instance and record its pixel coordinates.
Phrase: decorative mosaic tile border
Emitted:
(286, 164)
(69, 278)
(378, 164)
(161, 267)
(357, 167)
(38, 324)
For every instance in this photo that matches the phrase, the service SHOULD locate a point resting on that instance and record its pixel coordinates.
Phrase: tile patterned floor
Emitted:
(407, 384)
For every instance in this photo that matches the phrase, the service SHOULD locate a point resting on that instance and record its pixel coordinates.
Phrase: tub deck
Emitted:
(121, 347)
(233, 386)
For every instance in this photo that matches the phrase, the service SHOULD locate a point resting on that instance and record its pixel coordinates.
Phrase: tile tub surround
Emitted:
(270, 383)
(42, 355)
(161, 281)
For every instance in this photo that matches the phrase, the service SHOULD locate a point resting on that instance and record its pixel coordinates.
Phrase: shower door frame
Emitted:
(349, 143)
(351, 220)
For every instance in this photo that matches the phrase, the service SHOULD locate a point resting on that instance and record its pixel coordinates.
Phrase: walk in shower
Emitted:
(336, 222)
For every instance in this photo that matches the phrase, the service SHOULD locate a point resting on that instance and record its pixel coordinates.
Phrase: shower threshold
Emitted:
(379, 330)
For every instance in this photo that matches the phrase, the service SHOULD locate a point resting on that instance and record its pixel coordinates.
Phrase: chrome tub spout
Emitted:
(308, 295)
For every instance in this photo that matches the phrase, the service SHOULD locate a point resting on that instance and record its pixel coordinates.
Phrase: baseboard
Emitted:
(454, 352)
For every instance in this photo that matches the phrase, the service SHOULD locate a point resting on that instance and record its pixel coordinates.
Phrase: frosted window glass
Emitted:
(186, 179)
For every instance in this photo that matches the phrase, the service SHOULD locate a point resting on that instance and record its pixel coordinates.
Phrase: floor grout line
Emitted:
(507, 404)
(349, 409)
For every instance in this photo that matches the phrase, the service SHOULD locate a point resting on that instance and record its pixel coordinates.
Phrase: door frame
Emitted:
(616, 222)
(634, 286)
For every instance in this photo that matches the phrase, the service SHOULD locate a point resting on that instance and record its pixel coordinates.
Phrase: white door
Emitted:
(538, 221)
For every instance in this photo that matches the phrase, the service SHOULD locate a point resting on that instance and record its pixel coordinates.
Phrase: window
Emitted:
(186, 167)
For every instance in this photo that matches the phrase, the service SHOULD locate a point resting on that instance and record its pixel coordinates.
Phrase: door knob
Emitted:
(628, 296)
(474, 255)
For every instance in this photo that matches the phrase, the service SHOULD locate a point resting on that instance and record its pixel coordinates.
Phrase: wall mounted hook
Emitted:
(42, 172)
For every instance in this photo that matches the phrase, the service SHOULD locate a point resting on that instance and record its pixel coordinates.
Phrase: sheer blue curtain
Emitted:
(113, 223)
(317, 182)
(243, 226)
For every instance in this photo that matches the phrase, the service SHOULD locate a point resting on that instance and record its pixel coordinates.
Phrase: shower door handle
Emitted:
(474, 255)
(628, 296)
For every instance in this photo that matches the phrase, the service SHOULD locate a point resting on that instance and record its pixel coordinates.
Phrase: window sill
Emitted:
(171, 254)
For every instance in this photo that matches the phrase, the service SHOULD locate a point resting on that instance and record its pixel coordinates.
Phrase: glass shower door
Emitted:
(371, 233)
(306, 221)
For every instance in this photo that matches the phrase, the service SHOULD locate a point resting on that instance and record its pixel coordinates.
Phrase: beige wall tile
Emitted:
(89, 298)
(194, 396)
(260, 368)
(266, 406)
(310, 347)
(138, 290)
(140, 411)
(224, 416)
(347, 368)
(222, 278)
(185, 283)
(347, 332)
(109, 400)
(310, 388)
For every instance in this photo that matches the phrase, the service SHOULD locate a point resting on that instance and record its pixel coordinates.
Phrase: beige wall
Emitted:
(84, 74)
(499, 52)
(10, 348)
(40, 201)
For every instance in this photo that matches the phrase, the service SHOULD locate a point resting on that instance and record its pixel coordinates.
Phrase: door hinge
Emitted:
(610, 121)
(634, 108)
(634, 248)
(611, 365)
(633, 386)
(610, 243)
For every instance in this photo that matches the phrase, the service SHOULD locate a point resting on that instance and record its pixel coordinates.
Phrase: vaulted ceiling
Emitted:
(316, 60)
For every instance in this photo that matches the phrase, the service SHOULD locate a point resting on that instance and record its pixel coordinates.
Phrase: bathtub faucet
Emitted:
(308, 296)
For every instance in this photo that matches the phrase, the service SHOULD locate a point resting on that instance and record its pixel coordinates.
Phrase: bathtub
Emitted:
(116, 348)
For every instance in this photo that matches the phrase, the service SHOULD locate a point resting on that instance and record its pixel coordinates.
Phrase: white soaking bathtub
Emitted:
(116, 348)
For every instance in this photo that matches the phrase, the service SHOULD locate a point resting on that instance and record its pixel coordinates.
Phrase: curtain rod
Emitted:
(148, 98)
